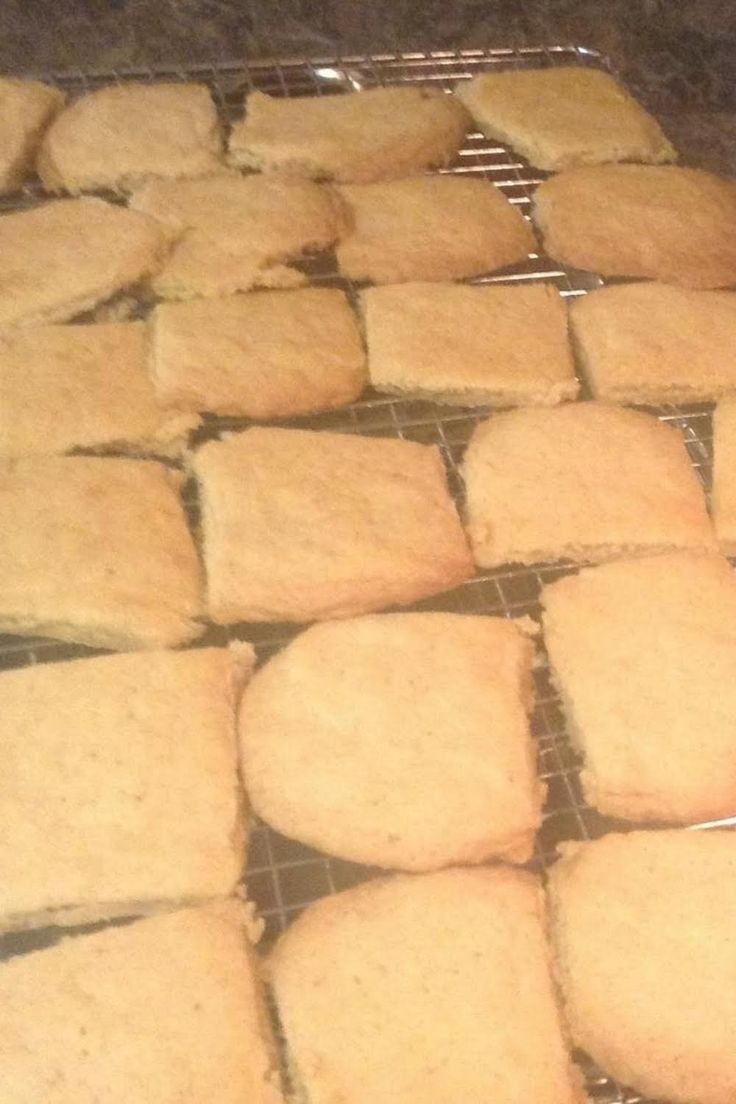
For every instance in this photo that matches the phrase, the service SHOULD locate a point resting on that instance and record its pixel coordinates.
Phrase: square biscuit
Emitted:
(301, 525)
(129, 798)
(166, 1009)
(117, 137)
(723, 498)
(429, 228)
(564, 116)
(66, 387)
(269, 354)
(377, 134)
(26, 109)
(642, 928)
(389, 716)
(667, 223)
(653, 343)
(504, 345)
(644, 654)
(583, 481)
(96, 550)
(66, 256)
(236, 232)
(430, 987)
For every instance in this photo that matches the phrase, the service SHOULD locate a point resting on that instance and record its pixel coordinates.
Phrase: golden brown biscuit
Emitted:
(68, 255)
(166, 1009)
(26, 109)
(504, 345)
(671, 224)
(97, 551)
(237, 232)
(415, 722)
(65, 387)
(424, 987)
(430, 228)
(116, 137)
(643, 931)
(378, 134)
(653, 343)
(583, 481)
(564, 116)
(265, 355)
(644, 654)
(302, 525)
(130, 799)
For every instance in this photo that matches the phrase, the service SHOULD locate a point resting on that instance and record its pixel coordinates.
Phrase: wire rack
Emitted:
(284, 876)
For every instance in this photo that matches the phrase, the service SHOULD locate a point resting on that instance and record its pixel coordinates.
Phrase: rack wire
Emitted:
(284, 876)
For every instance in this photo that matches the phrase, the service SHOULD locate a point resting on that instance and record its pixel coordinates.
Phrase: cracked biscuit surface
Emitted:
(236, 232)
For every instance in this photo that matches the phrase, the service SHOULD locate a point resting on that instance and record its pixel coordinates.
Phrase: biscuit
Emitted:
(117, 137)
(644, 654)
(110, 815)
(26, 109)
(300, 525)
(97, 551)
(430, 228)
(504, 345)
(408, 989)
(723, 499)
(166, 1009)
(642, 926)
(564, 116)
(671, 224)
(66, 256)
(266, 355)
(583, 481)
(237, 232)
(652, 343)
(379, 134)
(415, 722)
(65, 387)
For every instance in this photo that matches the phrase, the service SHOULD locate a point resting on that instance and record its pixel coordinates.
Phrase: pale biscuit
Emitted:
(166, 1009)
(644, 654)
(65, 387)
(300, 525)
(430, 228)
(583, 481)
(237, 232)
(504, 345)
(723, 499)
(26, 109)
(430, 987)
(564, 116)
(653, 343)
(96, 550)
(377, 134)
(671, 224)
(265, 355)
(642, 926)
(117, 137)
(414, 722)
(68, 255)
(130, 798)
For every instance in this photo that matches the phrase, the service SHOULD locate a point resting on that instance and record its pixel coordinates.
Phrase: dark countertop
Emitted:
(678, 56)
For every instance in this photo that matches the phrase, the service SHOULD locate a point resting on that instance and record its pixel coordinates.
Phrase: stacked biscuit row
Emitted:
(398, 740)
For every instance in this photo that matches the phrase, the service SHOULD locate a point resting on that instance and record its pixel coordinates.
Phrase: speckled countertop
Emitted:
(678, 56)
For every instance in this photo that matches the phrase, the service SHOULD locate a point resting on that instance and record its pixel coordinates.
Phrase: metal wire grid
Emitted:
(284, 876)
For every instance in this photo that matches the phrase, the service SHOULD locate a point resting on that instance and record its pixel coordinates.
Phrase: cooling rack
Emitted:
(284, 876)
